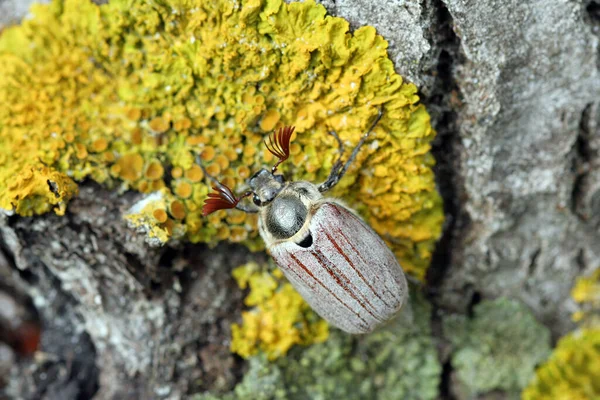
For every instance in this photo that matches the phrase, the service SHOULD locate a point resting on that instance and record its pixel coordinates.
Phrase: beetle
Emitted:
(339, 265)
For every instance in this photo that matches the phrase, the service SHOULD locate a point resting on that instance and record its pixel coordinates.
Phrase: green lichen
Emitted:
(572, 372)
(498, 348)
(279, 319)
(396, 362)
(133, 93)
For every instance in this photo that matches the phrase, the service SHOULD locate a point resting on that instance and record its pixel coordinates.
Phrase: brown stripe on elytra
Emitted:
(358, 253)
(328, 265)
(326, 288)
(349, 261)
(301, 277)
(384, 283)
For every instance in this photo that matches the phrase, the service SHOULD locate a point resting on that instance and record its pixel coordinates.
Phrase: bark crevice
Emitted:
(443, 102)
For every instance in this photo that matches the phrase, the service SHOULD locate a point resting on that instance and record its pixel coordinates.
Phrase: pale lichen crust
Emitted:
(132, 94)
(498, 349)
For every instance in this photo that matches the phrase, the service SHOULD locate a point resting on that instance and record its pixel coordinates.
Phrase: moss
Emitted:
(572, 372)
(396, 362)
(498, 348)
(280, 318)
(132, 93)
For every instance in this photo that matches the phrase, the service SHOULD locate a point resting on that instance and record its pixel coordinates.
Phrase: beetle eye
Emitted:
(256, 200)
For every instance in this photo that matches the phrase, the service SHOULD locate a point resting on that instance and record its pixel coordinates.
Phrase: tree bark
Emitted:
(514, 92)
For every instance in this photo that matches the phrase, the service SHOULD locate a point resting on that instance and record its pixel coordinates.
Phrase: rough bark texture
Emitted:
(118, 317)
(513, 87)
(529, 79)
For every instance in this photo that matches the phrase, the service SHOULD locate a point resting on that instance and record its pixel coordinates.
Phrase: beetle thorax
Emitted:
(288, 214)
(285, 216)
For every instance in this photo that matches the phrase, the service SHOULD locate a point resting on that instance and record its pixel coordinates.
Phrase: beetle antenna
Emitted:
(215, 198)
(212, 178)
(279, 145)
(221, 199)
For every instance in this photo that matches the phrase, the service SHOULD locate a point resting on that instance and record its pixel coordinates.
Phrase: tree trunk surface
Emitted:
(514, 93)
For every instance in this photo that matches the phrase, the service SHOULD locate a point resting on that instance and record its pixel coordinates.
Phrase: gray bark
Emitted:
(527, 151)
(129, 321)
(514, 91)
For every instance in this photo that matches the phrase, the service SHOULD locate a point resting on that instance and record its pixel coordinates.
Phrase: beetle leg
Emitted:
(338, 171)
(338, 163)
(340, 146)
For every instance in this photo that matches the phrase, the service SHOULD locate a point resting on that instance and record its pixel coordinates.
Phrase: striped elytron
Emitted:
(341, 267)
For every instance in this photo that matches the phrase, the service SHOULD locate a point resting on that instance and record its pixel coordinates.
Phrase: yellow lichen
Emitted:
(269, 120)
(102, 92)
(130, 167)
(150, 216)
(194, 174)
(159, 125)
(207, 154)
(160, 215)
(177, 172)
(99, 145)
(154, 170)
(177, 210)
(573, 371)
(37, 190)
(280, 318)
(586, 293)
(183, 189)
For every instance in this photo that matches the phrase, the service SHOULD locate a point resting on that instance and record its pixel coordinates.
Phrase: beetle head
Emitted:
(265, 186)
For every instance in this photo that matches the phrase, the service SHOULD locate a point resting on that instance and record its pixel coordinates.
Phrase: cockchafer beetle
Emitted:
(339, 265)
